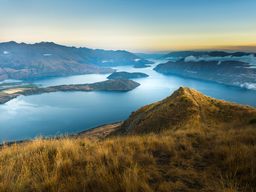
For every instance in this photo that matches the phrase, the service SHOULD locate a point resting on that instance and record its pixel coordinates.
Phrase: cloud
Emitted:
(192, 59)
(248, 86)
(251, 59)
(6, 52)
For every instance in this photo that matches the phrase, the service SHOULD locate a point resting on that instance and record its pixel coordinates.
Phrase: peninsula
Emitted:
(108, 85)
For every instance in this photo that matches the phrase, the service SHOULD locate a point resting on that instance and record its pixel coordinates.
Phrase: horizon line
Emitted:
(244, 48)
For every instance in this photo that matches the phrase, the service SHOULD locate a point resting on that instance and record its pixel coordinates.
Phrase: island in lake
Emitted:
(108, 85)
(126, 75)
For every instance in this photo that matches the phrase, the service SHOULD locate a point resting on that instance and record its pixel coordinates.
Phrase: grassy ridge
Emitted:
(187, 108)
(187, 142)
(189, 160)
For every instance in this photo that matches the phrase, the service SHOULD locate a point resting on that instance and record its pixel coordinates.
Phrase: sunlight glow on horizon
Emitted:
(151, 26)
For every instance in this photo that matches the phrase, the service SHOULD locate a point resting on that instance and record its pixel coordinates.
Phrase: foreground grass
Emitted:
(193, 160)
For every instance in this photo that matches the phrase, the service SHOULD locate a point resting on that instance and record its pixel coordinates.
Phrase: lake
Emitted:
(60, 113)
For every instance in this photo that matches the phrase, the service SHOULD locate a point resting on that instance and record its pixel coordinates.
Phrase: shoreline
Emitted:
(119, 85)
(98, 132)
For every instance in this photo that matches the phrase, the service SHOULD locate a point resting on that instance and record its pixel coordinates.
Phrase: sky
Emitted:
(135, 25)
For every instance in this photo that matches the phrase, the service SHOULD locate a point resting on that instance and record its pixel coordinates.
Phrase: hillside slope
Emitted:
(196, 143)
(187, 108)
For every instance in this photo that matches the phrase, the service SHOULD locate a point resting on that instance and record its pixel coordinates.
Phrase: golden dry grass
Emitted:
(186, 160)
(14, 90)
(188, 142)
(187, 108)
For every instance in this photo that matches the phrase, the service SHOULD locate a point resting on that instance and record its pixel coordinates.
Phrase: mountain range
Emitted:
(182, 54)
(235, 73)
(47, 59)
(229, 68)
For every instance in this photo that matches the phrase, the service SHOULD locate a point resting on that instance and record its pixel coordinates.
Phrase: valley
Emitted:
(127, 96)
(71, 112)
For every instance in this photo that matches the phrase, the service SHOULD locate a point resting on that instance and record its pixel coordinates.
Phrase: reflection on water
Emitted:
(61, 113)
(76, 79)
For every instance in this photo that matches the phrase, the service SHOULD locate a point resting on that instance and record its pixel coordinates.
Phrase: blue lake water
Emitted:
(59, 113)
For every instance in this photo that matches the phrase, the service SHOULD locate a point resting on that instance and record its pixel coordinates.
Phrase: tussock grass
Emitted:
(187, 142)
(187, 108)
(186, 160)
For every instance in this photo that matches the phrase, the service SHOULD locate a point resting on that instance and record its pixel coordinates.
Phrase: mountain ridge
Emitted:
(213, 53)
(47, 59)
(234, 73)
(187, 108)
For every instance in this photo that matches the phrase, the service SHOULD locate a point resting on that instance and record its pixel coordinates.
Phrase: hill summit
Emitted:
(185, 109)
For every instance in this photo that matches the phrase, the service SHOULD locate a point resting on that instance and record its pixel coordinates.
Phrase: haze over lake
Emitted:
(61, 113)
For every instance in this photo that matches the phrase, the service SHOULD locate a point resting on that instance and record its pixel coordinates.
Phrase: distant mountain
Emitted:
(126, 75)
(150, 55)
(187, 108)
(46, 59)
(182, 54)
(234, 73)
